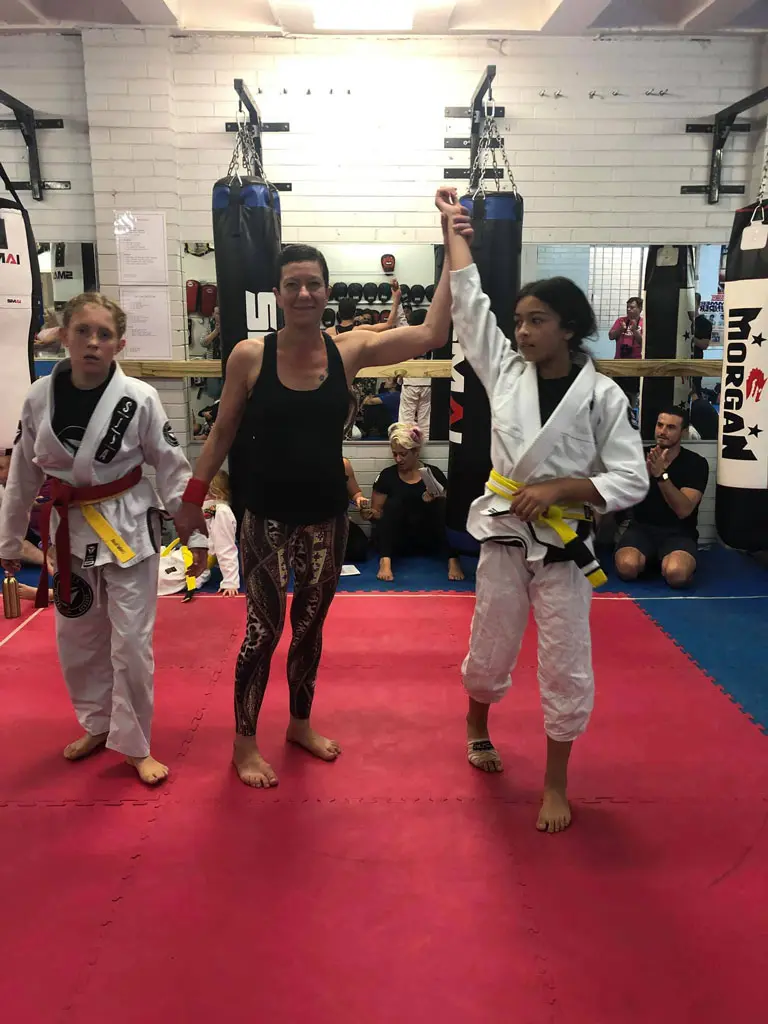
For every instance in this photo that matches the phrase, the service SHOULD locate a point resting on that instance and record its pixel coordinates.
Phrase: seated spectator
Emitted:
(703, 415)
(357, 542)
(408, 520)
(663, 527)
(381, 411)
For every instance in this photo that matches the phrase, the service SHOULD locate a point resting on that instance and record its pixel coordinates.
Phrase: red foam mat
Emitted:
(37, 721)
(396, 884)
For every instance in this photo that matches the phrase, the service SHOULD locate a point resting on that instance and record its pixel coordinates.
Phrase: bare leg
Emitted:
(481, 753)
(30, 555)
(555, 814)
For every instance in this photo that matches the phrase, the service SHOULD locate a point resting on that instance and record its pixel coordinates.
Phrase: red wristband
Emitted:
(195, 492)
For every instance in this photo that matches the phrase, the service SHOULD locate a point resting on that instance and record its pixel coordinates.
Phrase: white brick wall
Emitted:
(46, 72)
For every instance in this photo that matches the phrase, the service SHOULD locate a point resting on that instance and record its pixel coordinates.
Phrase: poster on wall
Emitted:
(142, 248)
(148, 334)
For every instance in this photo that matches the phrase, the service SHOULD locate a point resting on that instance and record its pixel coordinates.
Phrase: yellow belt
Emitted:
(555, 517)
(188, 559)
(104, 530)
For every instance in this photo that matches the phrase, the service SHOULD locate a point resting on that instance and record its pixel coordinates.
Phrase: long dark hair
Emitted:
(570, 303)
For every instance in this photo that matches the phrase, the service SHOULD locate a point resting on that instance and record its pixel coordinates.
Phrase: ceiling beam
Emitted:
(571, 17)
(153, 12)
(713, 15)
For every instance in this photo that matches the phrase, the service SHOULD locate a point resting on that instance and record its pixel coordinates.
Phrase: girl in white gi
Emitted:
(90, 429)
(222, 531)
(561, 443)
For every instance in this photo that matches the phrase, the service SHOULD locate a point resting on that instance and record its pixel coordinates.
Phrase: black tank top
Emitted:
(293, 450)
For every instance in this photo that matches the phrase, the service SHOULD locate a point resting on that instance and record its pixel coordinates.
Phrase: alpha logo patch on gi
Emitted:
(169, 435)
(122, 415)
(82, 598)
(91, 550)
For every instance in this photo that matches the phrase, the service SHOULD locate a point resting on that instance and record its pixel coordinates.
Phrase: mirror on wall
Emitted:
(66, 270)
(610, 275)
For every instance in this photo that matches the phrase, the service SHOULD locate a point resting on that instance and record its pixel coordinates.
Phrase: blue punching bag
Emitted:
(21, 305)
(246, 239)
(741, 503)
(498, 222)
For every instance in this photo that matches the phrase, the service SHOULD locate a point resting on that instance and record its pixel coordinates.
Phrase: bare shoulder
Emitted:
(245, 360)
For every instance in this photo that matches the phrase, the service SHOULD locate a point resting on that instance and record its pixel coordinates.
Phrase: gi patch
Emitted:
(91, 550)
(169, 435)
(82, 597)
(112, 441)
(632, 417)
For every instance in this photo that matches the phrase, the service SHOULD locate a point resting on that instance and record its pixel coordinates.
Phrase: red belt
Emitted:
(62, 496)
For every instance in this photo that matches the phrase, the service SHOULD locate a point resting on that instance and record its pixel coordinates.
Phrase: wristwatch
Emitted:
(664, 476)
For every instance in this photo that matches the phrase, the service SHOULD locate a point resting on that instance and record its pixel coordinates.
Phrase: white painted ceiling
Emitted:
(442, 17)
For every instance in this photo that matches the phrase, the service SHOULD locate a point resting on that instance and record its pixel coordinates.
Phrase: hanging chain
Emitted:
(245, 155)
(491, 143)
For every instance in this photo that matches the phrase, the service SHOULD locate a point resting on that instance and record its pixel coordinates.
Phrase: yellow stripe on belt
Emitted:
(105, 531)
(555, 517)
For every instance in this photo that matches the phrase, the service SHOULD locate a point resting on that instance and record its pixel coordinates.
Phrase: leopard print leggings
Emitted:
(270, 550)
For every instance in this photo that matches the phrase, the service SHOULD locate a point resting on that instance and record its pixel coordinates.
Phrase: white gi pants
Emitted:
(560, 594)
(416, 406)
(104, 637)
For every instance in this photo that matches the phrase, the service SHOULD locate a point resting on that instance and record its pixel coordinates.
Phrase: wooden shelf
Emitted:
(179, 369)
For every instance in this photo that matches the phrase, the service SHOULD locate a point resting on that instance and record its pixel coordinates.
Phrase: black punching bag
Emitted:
(246, 239)
(670, 300)
(741, 505)
(439, 410)
(498, 222)
(21, 309)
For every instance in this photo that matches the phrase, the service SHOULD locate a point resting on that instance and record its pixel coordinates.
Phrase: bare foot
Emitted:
(455, 571)
(86, 745)
(483, 755)
(251, 766)
(150, 770)
(385, 570)
(555, 813)
(302, 735)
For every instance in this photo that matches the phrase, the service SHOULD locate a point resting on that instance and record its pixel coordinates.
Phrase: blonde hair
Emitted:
(220, 488)
(407, 435)
(79, 302)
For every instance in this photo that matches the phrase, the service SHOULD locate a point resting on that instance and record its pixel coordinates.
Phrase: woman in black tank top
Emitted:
(288, 471)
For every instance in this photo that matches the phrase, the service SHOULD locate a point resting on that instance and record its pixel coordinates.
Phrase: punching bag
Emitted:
(246, 239)
(669, 304)
(741, 505)
(21, 305)
(497, 219)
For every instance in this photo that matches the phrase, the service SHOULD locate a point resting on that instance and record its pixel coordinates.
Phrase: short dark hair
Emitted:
(698, 298)
(301, 254)
(569, 302)
(347, 309)
(675, 410)
(637, 299)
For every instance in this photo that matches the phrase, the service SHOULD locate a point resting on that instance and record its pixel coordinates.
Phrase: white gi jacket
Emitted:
(129, 427)
(588, 435)
(222, 530)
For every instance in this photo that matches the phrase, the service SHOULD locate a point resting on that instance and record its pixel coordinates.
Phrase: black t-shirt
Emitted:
(73, 408)
(704, 419)
(689, 469)
(702, 329)
(552, 391)
(390, 483)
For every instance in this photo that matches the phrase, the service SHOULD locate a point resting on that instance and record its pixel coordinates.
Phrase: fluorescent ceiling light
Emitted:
(363, 15)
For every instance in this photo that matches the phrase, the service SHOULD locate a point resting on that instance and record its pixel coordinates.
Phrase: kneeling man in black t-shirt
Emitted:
(663, 527)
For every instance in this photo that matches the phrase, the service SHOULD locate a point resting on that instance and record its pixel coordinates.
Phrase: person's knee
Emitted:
(629, 563)
(678, 569)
